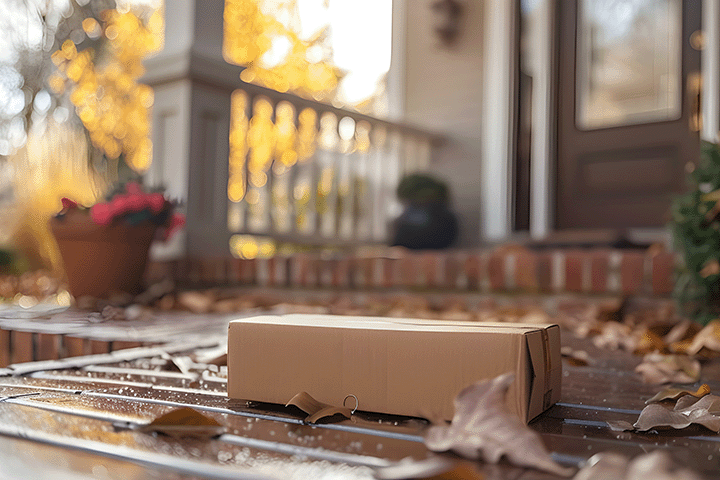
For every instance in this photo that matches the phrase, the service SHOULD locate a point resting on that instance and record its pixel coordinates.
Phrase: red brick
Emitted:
(389, 266)
(250, 269)
(272, 277)
(212, 271)
(408, 270)
(472, 266)
(452, 271)
(545, 271)
(663, 270)
(430, 266)
(325, 272)
(632, 272)
(158, 271)
(526, 271)
(496, 271)
(48, 346)
(599, 268)
(99, 346)
(23, 349)
(574, 271)
(76, 346)
(123, 344)
(4, 348)
(282, 271)
(341, 272)
(182, 270)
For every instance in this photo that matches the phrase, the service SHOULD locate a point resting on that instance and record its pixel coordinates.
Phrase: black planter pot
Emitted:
(425, 226)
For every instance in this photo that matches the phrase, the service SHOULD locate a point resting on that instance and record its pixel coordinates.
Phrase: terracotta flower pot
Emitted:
(100, 260)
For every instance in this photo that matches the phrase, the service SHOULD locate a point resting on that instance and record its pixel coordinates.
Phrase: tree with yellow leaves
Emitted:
(254, 28)
(112, 105)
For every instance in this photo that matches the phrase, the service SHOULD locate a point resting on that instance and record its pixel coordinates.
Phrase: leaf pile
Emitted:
(657, 368)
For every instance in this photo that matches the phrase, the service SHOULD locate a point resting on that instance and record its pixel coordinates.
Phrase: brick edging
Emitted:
(503, 269)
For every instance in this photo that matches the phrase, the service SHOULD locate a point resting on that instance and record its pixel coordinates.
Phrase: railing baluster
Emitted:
(307, 171)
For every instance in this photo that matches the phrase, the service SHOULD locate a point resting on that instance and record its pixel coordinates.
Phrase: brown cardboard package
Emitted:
(396, 366)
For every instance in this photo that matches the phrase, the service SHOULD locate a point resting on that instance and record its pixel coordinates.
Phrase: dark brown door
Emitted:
(628, 103)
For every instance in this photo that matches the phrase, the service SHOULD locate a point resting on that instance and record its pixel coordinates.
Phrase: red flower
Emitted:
(137, 203)
(133, 188)
(101, 213)
(176, 222)
(68, 204)
(120, 204)
(156, 201)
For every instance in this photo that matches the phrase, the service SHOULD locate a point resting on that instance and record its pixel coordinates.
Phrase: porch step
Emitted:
(504, 269)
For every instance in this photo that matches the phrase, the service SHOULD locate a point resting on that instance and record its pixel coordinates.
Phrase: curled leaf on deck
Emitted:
(689, 410)
(317, 410)
(657, 464)
(615, 336)
(681, 332)
(184, 422)
(675, 393)
(620, 426)
(576, 358)
(707, 338)
(657, 368)
(483, 429)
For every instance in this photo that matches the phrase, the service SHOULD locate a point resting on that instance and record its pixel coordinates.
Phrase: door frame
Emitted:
(499, 87)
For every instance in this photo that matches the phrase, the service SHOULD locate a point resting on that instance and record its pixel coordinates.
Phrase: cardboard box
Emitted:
(395, 366)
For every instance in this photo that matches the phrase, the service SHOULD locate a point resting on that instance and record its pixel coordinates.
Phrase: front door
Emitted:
(628, 109)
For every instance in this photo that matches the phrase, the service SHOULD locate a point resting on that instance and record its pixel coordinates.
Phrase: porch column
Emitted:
(711, 70)
(498, 105)
(190, 124)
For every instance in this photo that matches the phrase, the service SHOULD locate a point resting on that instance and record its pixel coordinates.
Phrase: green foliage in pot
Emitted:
(421, 188)
(695, 226)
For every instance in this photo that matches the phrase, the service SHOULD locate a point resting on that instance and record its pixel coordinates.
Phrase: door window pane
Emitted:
(628, 62)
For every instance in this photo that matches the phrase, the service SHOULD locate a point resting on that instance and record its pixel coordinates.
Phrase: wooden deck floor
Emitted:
(75, 419)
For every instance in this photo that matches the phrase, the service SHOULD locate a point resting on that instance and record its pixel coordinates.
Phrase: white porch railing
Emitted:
(253, 161)
(310, 173)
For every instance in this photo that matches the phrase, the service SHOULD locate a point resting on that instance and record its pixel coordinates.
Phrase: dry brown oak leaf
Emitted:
(483, 429)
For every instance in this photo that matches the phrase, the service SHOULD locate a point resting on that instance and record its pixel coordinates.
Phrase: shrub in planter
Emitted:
(427, 221)
(695, 226)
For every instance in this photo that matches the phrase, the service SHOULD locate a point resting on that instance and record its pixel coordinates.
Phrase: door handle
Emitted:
(694, 95)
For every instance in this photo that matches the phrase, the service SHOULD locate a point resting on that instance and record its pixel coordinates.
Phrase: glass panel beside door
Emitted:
(628, 62)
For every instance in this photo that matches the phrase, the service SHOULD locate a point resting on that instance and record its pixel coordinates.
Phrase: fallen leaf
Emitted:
(196, 302)
(614, 336)
(708, 337)
(656, 464)
(649, 342)
(657, 368)
(483, 429)
(184, 422)
(704, 411)
(576, 358)
(317, 410)
(656, 415)
(620, 425)
(684, 330)
(675, 393)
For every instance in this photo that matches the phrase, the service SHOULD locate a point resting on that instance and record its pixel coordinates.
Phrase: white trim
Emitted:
(396, 77)
(542, 164)
(499, 53)
(711, 70)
